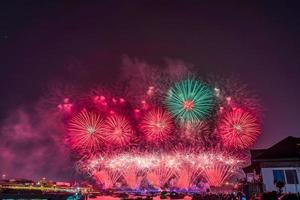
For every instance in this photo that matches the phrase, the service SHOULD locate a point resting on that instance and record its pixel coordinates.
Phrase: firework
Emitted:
(85, 132)
(160, 176)
(170, 136)
(107, 178)
(142, 162)
(190, 100)
(183, 167)
(94, 164)
(216, 175)
(239, 129)
(154, 178)
(66, 106)
(118, 130)
(187, 176)
(102, 177)
(189, 168)
(217, 167)
(130, 174)
(157, 125)
(100, 100)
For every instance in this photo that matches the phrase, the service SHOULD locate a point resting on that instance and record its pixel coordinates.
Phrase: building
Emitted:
(281, 162)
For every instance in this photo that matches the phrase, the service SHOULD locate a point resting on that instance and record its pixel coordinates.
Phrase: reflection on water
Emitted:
(117, 198)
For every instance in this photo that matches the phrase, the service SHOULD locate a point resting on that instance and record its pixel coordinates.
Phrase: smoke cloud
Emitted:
(32, 136)
(32, 146)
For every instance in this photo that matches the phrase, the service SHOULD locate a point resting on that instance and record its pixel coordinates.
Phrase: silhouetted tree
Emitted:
(280, 185)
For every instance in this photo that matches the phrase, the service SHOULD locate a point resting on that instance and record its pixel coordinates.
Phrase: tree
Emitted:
(279, 185)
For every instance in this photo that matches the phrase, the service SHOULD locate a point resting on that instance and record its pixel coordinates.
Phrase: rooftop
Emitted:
(286, 149)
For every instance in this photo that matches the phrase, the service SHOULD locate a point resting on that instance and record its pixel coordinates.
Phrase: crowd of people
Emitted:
(220, 196)
(240, 196)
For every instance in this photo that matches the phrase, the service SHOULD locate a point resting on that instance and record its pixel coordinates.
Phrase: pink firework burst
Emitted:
(130, 174)
(118, 130)
(187, 176)
(107, 178)
(85, 132)
(217, 167)
(216, 174)
(157, 125)
(66, 106)
(239, 129)
(160, 176)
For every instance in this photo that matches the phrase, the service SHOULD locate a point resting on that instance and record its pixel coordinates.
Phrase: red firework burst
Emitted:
(187, 176)
(118, 130)
(85, 132)
(107, 178)
(216, 174)
(66, 106)
(157, 125)
(239, 129)
(160, 175)
(130, 175)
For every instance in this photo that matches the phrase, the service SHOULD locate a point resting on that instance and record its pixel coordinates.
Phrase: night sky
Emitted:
(45, 41)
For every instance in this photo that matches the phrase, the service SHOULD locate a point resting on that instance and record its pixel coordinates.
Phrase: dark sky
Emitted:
(258, 40)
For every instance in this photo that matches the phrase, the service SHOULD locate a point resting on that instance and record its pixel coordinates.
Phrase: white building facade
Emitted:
(289, 175)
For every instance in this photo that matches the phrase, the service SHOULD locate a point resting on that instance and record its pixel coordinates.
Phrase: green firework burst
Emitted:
(190, 100)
